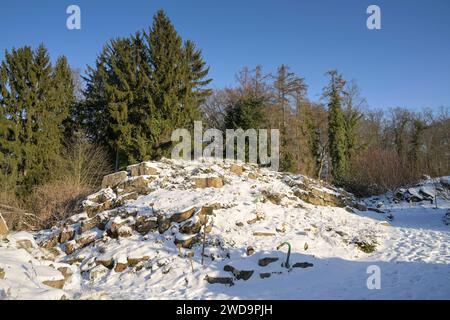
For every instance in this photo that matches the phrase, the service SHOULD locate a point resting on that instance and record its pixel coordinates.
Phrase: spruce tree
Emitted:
(141, 89)
(336, 126)
(35, 99)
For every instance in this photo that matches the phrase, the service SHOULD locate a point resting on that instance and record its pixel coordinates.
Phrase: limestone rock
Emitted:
(142, 169)
(250, 251)
(194, 225)
(114, 179)
(263, 234)
(57, 284)
(186, 241)
(124, 232)
(136, 184)
(252, 175)
(51, 241)
(146, 224)
(3, 227)
(272, 196)
(120, 267)
(106, 262)
(208, 182)
(66, 272)
(237, 169)
(85, 240)
(265, 275)
(67, 234)
(163, 224)
(70, 247)
(2, 274)
(134, 261)
(89, 224)
(97, 272)
(184, 215)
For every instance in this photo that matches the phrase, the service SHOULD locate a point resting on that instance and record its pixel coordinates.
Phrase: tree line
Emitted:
(338, 139)
(61, 130)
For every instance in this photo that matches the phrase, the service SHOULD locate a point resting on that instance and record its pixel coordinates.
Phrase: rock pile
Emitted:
(121, 226)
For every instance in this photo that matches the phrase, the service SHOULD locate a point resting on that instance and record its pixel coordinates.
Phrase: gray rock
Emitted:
(266, 261)
(250, 251)
(303, 265)
(239, 274)
(220, 280)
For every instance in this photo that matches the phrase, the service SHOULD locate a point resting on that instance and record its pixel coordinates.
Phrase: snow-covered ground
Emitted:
(254, 212)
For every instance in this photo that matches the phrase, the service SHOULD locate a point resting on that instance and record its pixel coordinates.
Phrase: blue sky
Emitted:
(407, 63)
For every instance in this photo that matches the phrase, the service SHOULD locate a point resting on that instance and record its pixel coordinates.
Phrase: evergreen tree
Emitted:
(336, 126)
(34, 102)
(142, 88)
(246, 113)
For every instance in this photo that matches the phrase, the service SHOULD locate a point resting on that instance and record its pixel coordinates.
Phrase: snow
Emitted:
(412, 251)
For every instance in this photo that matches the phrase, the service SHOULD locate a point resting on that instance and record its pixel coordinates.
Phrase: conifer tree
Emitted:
(34, 101)
(141, 89)
(336, 126)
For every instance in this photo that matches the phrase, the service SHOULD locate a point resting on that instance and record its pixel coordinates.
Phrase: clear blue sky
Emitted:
(407, 63)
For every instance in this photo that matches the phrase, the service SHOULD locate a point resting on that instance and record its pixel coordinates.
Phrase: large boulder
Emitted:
(100, 201)
(51, 240)
(67, 234)
(142, 169)
(145, 224)
(136, 184)
(266, 261)
(236, 169)
(202, 182)
(3, 226)
(319, 197)
(194, 224)
(114, 179)
(220, 280)
(183, 215)
(186, 241)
